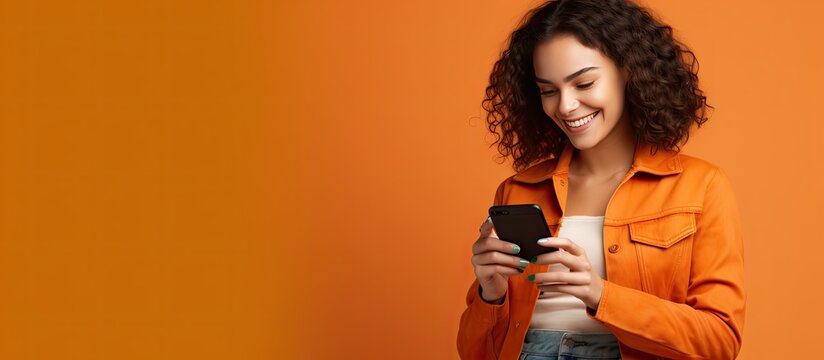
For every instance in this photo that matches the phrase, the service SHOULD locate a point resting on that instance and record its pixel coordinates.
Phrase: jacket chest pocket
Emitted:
(663, 246)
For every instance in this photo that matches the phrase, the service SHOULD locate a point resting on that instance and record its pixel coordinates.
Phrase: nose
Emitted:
(567, 104)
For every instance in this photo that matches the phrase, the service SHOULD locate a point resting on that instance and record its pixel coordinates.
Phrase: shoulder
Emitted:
(527, 181)
(695, 164)
(696, 167)
(672, 181)
(535, 173)
(708, 177)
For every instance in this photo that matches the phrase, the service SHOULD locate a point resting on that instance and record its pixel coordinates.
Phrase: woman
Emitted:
(593, 99)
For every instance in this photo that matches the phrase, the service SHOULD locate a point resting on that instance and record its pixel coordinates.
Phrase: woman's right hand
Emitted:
(494, 263)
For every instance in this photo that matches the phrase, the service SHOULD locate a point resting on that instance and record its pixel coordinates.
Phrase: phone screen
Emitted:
(522, 224)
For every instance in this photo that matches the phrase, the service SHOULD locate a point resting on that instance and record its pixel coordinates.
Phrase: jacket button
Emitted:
(614, 248)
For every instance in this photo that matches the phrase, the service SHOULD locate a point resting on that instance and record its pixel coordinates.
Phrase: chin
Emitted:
(584, 144)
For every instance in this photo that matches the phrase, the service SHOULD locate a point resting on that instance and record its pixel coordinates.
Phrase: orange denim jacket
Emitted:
(673, 254)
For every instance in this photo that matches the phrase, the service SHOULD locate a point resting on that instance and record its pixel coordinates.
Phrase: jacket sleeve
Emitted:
(483, 325)
(709, 325)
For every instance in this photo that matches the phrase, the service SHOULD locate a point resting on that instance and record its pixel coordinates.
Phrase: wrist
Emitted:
(595, 300)
(497, 301)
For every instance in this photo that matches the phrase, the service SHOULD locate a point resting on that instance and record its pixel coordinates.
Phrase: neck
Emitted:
(613, 155)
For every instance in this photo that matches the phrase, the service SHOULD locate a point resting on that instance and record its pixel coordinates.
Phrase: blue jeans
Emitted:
(562, 345)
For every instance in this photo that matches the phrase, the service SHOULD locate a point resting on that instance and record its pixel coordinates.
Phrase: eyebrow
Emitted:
(568, 77)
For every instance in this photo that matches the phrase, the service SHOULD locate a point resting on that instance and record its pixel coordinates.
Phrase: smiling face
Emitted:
(582, 90)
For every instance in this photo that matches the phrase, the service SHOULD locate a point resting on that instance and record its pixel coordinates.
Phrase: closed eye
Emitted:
(581, 86)
(586, 86)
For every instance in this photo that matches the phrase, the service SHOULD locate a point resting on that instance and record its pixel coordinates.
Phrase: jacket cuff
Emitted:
(487, 312)
(599, 314)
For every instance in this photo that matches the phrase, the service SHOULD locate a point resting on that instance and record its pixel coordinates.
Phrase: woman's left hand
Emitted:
(581, 281)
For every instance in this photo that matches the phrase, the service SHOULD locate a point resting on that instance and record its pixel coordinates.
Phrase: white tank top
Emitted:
(558, 311)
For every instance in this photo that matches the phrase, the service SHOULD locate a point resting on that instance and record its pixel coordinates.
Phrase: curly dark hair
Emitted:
(662, 97)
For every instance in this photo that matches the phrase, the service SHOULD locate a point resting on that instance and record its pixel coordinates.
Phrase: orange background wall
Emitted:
(259, 180)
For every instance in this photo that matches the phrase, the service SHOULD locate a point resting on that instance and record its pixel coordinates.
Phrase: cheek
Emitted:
(550, 106)
(601, 97)
(611, 99)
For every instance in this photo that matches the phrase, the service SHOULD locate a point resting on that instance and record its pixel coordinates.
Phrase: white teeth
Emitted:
(582, 121)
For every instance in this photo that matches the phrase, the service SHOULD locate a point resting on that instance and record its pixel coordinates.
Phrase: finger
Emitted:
(485, 244)
(498, 258)
(570, 278)
(574, 290)
(562, 243)
(486, 226)
(490, 270)
(572, 262)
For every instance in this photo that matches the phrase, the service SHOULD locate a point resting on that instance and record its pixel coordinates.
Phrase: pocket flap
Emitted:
(664, 231)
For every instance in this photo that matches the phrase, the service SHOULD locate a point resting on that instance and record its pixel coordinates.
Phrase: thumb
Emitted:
(487, 228)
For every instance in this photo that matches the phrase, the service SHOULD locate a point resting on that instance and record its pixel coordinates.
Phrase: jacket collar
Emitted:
(664, 162)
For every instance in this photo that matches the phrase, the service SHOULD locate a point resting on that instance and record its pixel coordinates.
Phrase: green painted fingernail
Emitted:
(534, 260)
(516, 249)
(531, 277)
(524, 263)
(543, 240)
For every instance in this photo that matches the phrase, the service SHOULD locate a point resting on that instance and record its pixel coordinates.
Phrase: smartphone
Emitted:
(522, 224)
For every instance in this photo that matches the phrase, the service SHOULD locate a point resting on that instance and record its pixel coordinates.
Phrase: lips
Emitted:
(576, 123)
